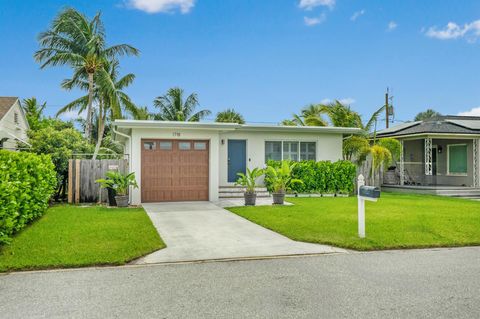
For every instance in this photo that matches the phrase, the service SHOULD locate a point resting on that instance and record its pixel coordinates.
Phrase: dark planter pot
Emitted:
(278, 198)
(111, 197)
(122, 201)
(250, 199)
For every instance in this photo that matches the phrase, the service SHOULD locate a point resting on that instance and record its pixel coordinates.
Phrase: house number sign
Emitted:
(176, 134)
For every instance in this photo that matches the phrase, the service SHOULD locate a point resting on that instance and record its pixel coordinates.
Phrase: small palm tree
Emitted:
(78, 42)
(229, 116)
(33, 111)
(311, 115)
(173, 107)
(108, 94)
(141, 113)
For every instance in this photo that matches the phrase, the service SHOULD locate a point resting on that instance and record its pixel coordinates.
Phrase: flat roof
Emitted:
(233, 126)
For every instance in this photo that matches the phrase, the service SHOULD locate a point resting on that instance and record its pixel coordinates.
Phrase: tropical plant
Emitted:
(309, 116)
(78, 42)
(118, 182)
(229, 116)
(249, 180)
(33, 112)
(428, 114)
(61, 144)
(141, 113)
(353, 145)
(108, 94)
(27, 182)
(281, 177)
(173, 107)
(341, 115)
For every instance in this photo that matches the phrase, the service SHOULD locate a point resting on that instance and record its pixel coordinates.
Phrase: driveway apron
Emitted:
(196, 231)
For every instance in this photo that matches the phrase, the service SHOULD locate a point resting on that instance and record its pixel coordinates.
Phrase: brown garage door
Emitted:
(174, 170)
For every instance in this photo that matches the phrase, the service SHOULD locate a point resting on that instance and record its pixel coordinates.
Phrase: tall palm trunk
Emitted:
(101, 129)
(88, 126)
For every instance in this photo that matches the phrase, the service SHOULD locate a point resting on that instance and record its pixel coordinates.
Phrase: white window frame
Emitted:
(290, 141)
(448, 160)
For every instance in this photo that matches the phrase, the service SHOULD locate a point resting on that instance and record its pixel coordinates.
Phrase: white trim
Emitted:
(232, 126)
(448, 160)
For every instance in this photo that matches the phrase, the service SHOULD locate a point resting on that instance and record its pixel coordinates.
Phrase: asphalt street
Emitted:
(442, 283)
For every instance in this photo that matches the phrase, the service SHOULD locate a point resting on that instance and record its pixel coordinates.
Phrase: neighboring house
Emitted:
(442, 151)
(183, 161)
(13, 123)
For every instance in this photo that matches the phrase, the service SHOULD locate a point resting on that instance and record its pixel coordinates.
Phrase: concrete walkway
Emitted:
(204, 231)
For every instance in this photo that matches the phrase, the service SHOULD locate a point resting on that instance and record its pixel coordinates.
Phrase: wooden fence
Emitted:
(82, 174)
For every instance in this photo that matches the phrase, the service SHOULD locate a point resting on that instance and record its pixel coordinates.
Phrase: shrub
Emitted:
(27, 182)
(320, 177)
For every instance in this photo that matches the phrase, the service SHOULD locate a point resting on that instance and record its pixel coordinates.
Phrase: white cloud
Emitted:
(314, 21)
(310, 4)
(357, 14)
(392, 25)
(155, 6)
(471, 31)
(73, 115)
(346, 101)
(473, 112)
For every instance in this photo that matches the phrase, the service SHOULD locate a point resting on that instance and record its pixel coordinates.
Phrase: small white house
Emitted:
(13, 123)
(187, 161)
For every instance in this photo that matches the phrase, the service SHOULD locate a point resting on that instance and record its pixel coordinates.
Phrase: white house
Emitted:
(13, 123)
(183, 161)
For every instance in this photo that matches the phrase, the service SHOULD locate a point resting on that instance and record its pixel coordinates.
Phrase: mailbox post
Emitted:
(369, 193)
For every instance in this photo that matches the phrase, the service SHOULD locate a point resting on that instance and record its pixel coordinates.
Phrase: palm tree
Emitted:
(341, 115)
(33, 111)
(108, 94)
(78, 42)
(141, 113)
(310, 115)
(428, 114)
(173, 107)
(230, 116)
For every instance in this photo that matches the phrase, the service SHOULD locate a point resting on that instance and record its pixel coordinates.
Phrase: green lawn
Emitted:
(73, 236)
(395, 221)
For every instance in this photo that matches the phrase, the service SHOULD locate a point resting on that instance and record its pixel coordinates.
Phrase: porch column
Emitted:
(475, 163)
(402, 164)
(428, 156)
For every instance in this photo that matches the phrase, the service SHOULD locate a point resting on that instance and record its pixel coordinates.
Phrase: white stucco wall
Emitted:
(7, 124)
(328, 147)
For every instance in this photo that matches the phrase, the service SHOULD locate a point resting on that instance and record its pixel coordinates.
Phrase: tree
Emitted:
(428, 114)
(108, 94)
(310, 115)
(341, 115)
(173, 107)
(60, 145)
(141, 113)
(229, 116)
(33, 112)
(78, 42)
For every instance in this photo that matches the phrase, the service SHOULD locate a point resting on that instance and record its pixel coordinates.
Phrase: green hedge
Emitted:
(322, 177)
(27, 182)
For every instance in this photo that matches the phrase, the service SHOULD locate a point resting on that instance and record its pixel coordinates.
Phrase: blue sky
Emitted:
(268, 58)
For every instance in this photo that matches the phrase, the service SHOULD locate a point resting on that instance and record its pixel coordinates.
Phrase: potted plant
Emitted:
(249, 181)
(281, 180)
(119, 183)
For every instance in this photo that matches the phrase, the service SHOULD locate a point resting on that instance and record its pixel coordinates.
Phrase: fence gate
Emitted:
(82, 174)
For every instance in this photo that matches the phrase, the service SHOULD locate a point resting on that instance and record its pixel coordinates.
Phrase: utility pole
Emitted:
(387, 111)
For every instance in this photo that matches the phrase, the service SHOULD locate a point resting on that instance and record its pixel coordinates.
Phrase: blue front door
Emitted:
(237, 159)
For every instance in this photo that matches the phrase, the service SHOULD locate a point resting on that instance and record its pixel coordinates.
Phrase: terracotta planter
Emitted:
(250, 198)
(278, 198)
(122, 201)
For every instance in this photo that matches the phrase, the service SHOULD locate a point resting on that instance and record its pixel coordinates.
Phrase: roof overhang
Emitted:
(136, 124)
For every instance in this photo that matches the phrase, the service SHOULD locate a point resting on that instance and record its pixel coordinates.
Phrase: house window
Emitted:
(457, 159)
(307, 151)
(149, 146)
(290, 150)
(15, 118)
(273, 151)
(184, 146)
(166, 146)
(200, 146)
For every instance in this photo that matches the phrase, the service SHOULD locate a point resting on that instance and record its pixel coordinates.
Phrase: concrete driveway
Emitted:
(204, 231)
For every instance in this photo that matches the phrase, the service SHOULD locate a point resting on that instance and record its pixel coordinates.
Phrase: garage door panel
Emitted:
(174, 170)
